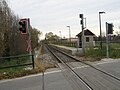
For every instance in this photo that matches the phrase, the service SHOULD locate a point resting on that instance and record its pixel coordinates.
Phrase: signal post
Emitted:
(82, 25)
(24, 28)
(109, 30)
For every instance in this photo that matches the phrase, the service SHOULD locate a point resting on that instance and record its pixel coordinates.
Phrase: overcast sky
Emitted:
(55, 15)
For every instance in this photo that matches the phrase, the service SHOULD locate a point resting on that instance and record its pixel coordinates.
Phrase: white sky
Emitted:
(55, 15)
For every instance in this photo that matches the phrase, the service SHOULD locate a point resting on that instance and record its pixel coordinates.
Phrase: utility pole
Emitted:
(69, 34)
(100, 28)
(107, 52)
(60, 35)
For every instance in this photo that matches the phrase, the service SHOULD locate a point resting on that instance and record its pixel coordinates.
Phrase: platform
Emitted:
(70, 50)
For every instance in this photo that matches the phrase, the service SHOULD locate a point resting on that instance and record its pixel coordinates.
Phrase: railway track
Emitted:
(64, 58)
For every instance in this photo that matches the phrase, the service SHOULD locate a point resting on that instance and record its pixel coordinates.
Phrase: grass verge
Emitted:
(20, 71)
(101, 53)
(43, 65)
(15, 74)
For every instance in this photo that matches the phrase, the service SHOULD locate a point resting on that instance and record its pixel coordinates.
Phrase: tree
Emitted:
(11, 42)
(35, 34)
(118, 32)
(48, 35)
(4, 27)
(51, 36)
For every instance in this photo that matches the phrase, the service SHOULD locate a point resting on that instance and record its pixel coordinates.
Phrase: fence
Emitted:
(14, 61)
(65, 43)
(112, 44)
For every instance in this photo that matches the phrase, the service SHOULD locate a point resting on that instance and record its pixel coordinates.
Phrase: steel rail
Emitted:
(98, 69)
(68, 67)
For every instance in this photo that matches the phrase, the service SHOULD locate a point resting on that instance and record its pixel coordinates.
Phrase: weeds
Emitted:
(113, 53)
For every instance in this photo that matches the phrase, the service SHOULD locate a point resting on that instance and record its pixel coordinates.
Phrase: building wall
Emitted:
(91, 41)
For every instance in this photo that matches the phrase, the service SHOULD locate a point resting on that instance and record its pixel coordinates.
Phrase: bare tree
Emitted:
(11, 42)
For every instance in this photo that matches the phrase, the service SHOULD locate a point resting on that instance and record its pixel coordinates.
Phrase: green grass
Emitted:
(14, 73)
(114, 45)
(12, 70)
(9, 62)
(95, 52)
(113, 53)
(111, 44)
(13, 62)
(114, 49)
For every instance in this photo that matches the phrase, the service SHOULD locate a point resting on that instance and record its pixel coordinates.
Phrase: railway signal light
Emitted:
(110, 28)
(23, 26)
(81, 21)
(81, 16)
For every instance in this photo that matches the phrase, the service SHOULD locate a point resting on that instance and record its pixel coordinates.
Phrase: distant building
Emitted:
(72, 39)
(88, 38)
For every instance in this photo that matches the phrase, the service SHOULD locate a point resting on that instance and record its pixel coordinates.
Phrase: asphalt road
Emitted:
(112, 67)
(98, 80)
(65, 81)
(52, 81)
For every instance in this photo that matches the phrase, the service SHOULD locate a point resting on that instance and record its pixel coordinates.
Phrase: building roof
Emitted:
(86, 32)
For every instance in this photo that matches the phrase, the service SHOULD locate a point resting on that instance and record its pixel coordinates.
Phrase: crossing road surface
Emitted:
(53, 81)
(56, 80)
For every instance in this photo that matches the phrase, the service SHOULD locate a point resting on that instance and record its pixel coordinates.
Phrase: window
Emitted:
(87, 39)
